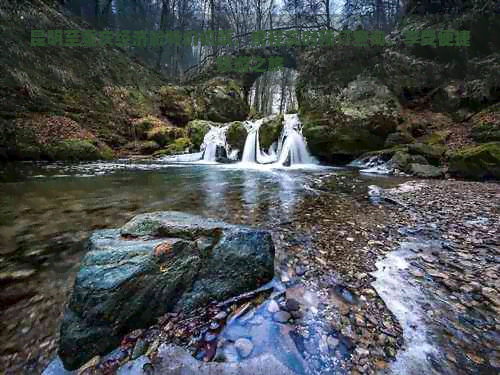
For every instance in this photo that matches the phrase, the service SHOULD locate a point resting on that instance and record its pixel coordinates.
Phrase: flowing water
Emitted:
(46, 211)
(290, 149)
(216, 137)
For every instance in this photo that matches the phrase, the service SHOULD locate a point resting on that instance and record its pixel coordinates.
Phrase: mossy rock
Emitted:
(76, 149)
(131, 101)
(372, 104)
(141, 126)
(403, 161)
(425, 170)
(236, 135)
(437, 137)
(142, 147)
(164, 135)
(223, 100)
(433, 153)
(178, 104)
(270, 131)
(340, 144)
(486, 125)
(358, 121)
(179, 146)
(385, 154)
(196, 131)
(399, 138)
(476, 162)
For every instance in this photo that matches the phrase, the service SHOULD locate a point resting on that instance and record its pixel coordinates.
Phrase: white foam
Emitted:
(405, 299)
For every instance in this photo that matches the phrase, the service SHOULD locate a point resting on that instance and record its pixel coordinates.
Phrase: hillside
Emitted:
(74, 103)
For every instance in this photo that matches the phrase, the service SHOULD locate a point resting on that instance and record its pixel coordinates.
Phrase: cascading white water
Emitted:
(251, 147)
(292, 147)
(251, 151)
(216, 136)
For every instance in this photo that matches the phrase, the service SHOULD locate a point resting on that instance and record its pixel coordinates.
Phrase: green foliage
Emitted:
(72, 150)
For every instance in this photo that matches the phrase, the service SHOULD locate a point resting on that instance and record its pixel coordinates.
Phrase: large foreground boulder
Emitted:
(157, 263)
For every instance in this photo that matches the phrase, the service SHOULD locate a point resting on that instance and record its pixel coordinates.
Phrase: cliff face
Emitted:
(441, 89)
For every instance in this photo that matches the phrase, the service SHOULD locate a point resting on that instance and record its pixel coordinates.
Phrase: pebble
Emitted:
(244, 347)
(139, 349)
(300, 270)
(214, 326)
(281, 316)
(273, 306)
(210, 337)
(332, 342)
(362, 352)
(221, 315)
(291, 305)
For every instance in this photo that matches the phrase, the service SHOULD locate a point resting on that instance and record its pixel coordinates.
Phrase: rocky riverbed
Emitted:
(337, 258)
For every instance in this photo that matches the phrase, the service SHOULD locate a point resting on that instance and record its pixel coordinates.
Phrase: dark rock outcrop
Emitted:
(359, 120)
(154, 264)
(476, 162)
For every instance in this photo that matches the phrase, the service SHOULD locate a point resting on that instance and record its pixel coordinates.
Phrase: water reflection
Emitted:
(33, 210)
(215, 186)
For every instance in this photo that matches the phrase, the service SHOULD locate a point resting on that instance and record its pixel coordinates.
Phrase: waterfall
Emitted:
(251, 151)
(274, 92)
(251, 147)
(292, 147)
(215, 138)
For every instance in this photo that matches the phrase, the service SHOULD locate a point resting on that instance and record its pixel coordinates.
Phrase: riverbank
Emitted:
(330, 245)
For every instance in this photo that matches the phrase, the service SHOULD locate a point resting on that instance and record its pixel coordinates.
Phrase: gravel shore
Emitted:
(341, 245)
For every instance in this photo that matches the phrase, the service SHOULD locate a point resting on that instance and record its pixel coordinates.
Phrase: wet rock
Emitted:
(291, 305)
(282, 316)
(221, 316)
(273, 307)
(139, 349)
(210, 337)
(425, 170)
(126, 280)
(297, 314)
(244, 347)
(332, 342)
(135, 367)
(175, 360)
(56, 367)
